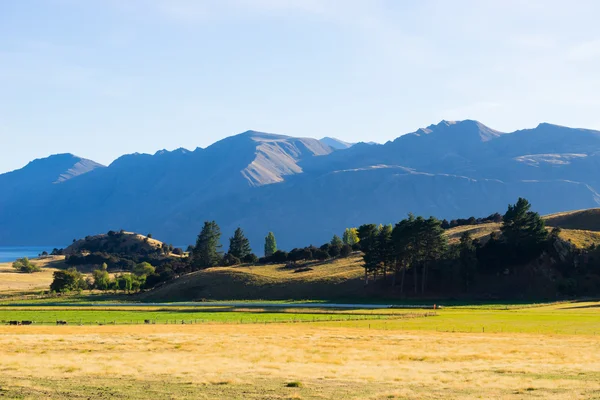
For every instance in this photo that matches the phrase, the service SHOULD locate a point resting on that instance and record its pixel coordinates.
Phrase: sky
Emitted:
(102, 78)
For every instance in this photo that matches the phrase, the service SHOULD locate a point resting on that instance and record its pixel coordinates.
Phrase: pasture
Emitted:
(13, 283)
(493, 351)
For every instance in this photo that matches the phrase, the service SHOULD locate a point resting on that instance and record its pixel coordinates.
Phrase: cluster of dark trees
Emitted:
(495, 217)
(69, 280)
(523, 260)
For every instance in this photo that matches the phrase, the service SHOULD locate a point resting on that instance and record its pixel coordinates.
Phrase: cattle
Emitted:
(61, 322)
(26, 322)
(14, 323)
(147, 321)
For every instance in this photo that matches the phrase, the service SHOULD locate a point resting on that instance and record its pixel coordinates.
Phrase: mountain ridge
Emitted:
(303, 189)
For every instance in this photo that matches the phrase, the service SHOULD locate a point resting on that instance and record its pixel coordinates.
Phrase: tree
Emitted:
(229, 260)
(24, 265)
(279, 257)
(350, 236)
(67, 281)
(404, 253)
(336, 241)
(384, 248)
(523, 230)
(101, 278)
(434, 243)
(207, 250)
(144, 269)
(345, 251)
(468, 260)
(124, 282)
(320, 255)
(250, 259)
(149, 236)
(239, 245)
(335, 246)
(367, 235)
(270, 245)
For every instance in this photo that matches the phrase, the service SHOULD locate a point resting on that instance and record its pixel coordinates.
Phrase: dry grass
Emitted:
(581, 239)
(480, 232)
(12, 281)
(331, 279)
(257, 361)
(581, 219)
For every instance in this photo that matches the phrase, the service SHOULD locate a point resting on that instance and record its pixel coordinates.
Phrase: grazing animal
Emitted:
(61, 322)
(14, 323)
(147, 321)
(26, 322)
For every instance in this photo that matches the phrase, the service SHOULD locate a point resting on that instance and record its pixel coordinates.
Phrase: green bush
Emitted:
(24, 265)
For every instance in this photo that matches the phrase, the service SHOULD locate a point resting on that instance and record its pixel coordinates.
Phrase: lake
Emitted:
(11, 253)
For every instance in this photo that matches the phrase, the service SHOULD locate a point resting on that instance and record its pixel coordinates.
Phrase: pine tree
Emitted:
(270, 245)
(239, 245)
(468, 259)
(336, 241)
(434, 243)
(522, 226)
(368, 244)
(350, 236)
(384, 248)
(207, 250)
(524, 231)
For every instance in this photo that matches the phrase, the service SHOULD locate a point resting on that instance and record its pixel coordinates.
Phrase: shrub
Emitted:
(229, 259)
(26, 266)
(345, 251)
(250, 259)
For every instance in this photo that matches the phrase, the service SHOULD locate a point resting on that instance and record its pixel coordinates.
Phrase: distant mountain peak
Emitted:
(464, 128)
(55, 168)
(336, 143)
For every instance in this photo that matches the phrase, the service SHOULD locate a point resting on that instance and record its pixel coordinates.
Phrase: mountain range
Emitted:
(304, 190)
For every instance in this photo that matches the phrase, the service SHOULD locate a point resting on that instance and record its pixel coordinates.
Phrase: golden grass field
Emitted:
(12, 282)
(260, 361)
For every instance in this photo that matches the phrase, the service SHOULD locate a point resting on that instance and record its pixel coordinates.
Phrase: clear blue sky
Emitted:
(100, 78)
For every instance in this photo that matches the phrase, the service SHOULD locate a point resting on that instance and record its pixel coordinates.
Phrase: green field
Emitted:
(137, 315)
(558, 318)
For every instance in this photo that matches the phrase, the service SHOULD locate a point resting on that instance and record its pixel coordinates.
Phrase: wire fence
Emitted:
(108, 321)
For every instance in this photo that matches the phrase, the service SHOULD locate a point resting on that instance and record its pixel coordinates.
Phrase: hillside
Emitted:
(581, 228)
(581, 219)
(115, 242)
(331, 280)
(300, 188)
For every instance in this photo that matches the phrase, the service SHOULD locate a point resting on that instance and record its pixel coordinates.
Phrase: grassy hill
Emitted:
(119, 242)
(587, 220)
(330, 280)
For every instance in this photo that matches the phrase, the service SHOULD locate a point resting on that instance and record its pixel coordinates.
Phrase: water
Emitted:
(8, 254)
